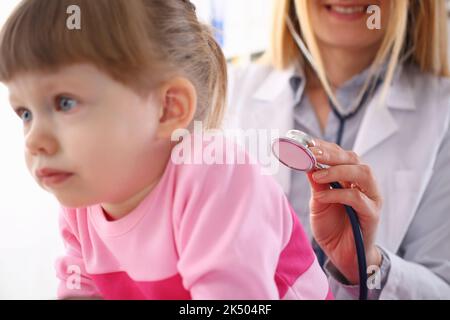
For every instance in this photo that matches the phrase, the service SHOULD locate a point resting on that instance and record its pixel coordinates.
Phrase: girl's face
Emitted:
(343, 23)
(81, 121)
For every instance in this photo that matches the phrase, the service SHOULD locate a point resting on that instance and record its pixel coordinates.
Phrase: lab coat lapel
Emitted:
(275, 101)
(379, 123)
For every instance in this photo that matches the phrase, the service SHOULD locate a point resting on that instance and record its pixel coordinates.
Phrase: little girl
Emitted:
(99, 103)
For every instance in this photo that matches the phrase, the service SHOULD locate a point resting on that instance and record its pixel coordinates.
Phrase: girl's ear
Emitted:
(178, 106)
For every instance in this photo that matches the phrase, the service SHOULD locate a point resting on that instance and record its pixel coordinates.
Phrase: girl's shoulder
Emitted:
(203, 152)
(220, 160)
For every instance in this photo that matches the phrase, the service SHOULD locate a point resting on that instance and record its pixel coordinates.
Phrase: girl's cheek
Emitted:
(29, 162)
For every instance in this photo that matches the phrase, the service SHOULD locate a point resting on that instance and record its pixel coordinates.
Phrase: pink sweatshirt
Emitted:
(215, 231)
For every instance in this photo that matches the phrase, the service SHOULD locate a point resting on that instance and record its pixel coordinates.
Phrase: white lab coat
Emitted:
(399, 140)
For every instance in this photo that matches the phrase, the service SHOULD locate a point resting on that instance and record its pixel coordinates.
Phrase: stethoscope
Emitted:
(293, 151)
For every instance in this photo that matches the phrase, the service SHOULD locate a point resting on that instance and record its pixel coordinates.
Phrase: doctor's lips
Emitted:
(50, 176)
(347, 10)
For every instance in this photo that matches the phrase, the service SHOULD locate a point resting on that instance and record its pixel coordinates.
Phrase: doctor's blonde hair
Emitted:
(417, 31)
(140, 43)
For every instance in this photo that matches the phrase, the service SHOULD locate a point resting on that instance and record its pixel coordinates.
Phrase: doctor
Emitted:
(383, 95)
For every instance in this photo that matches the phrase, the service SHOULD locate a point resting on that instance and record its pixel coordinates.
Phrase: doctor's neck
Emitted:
(342, 64)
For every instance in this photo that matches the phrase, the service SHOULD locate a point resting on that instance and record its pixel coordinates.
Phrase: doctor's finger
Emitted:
(315, 186)
(331, 154)
(360, 175)
(366, 208)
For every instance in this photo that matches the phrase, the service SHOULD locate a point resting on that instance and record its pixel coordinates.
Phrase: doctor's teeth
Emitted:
(348, 10)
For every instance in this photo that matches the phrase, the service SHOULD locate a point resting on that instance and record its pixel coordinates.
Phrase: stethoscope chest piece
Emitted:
(293, 151)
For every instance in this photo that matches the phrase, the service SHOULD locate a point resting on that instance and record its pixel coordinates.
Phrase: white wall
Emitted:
(29, 240)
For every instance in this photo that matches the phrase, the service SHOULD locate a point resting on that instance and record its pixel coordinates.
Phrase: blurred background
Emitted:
(29, 236)
(242, 26)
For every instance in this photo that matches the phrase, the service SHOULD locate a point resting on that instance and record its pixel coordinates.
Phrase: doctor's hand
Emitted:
(330, 224)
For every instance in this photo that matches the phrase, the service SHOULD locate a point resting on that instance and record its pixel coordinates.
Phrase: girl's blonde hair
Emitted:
(140, 43)
(416, 32)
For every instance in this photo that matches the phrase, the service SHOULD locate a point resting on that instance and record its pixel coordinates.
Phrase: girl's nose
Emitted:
(40, 140)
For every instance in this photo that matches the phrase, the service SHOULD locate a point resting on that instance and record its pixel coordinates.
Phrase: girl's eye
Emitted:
(62, 103)
(65, 103)
(24, 114)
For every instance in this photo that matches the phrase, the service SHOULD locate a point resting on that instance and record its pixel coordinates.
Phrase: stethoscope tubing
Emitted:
(351, 213)
(359, 245)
